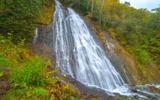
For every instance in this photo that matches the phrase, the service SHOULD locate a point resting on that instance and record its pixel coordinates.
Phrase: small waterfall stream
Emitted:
(35, 36)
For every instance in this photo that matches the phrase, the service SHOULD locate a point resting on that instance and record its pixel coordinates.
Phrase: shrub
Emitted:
(18, 16)
(3, 61)
(141, 55)
(40, 92)
(9, 52)
(32, 72)
(72, 98)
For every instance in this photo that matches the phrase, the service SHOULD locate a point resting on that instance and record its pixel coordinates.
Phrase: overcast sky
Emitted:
(149, 4)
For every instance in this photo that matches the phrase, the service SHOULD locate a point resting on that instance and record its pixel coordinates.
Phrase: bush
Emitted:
(9, 52)
(28, 74)
(19, 16)
(3, 61)
(40, 92)
(32, 72)
(141, 55)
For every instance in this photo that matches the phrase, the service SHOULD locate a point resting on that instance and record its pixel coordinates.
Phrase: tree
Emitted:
(19, 15)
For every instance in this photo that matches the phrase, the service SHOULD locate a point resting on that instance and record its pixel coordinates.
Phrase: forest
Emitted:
(25, 75)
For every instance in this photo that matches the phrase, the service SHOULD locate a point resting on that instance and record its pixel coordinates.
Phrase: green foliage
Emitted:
(12, 93)
(1, 74)
(83, 7)
(9, 52)
(141, 55)
(19, 16)
(68, 2)
(40, 92)
(3, 61)
(72, 98)
(26, 94)
(155, 20)
(31, 73)
(28, 74)
(154, 48)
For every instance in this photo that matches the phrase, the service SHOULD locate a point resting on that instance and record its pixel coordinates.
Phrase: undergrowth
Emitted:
(29, 76)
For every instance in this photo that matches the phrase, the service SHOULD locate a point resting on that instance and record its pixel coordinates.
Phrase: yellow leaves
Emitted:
(1, 74)
(112, 33)
(60, 90)
(101, 37)
(25, 54)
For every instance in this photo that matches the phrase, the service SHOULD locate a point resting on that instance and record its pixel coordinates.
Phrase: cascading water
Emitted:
(35, 36)
(79, 55)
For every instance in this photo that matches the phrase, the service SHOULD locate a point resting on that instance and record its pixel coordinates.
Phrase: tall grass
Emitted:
(32, 72)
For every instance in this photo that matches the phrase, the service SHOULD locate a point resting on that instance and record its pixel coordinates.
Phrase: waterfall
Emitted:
(35, 36)
(78, 53)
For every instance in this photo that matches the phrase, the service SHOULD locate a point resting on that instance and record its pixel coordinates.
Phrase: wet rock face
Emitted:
(43, 41)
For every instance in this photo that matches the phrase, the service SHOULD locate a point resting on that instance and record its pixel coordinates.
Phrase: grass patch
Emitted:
(40, 92)
(32, 72)
(3, 61)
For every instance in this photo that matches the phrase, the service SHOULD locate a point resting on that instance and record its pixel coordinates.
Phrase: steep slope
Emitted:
(137, 73)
